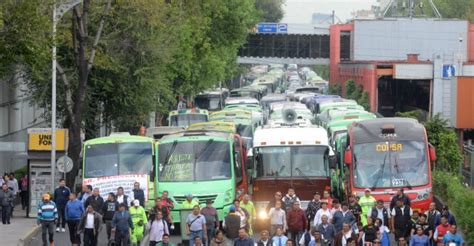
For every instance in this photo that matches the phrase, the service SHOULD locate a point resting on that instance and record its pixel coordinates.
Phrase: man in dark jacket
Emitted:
(160, 207)
(90, 226)
(313, 207)
(138, 194)
(61, 197)
(231, 224)
(122, 224)
(243, 239)
(296, 221)
(95, 200)
(108, 210)
(399, 196)
(401, 217)
(327, 230)
(272, 203)
(6, 202)
(343, 216)
(344, 235)
(265, 239)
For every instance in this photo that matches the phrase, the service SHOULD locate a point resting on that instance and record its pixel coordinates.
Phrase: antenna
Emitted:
(410, 5)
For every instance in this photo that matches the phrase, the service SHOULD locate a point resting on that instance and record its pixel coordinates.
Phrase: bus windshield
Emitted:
(390, 164)
(112, 159)
(187, 119)
(194, 161)
(209, 103)
(296, 161)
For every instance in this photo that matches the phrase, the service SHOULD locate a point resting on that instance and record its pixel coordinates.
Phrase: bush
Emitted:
(460, 200)
(335, 89)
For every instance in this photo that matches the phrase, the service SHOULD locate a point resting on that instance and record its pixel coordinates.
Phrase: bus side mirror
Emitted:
(348, 157)
(432, 153)
(332, 162)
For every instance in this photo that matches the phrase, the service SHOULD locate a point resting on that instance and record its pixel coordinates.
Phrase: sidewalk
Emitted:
(19, 228)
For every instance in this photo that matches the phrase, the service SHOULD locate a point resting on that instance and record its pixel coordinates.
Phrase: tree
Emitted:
(335, 89)
(270, 10)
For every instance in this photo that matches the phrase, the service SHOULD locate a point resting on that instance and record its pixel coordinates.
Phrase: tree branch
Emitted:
(98, 34)
(80, 25)
(67, 89)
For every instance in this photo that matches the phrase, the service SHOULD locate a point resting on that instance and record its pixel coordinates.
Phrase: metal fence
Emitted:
(468, 167)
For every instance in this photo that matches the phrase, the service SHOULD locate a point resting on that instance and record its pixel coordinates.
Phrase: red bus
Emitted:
(386, 154)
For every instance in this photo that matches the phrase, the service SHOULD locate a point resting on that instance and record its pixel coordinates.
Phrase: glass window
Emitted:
(298, 161)
(187, 119)
(390, 164)
(194, 161)
(115, 159)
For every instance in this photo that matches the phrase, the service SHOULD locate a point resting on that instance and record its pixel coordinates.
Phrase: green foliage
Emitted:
(460, 200)
(444, 139)
(356, 92)
(460, 9)
(322, 71)
(351, 90)
(364, 101)
(335, 89)
(270, 10)
(415, 114)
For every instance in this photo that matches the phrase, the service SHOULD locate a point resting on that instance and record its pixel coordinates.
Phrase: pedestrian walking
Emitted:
(369, 232)
(381, 212)
(243, 213)
(122, 198)
(165, 211)
(401, 217)
(419, 239)
(449, 215)
(198, 241)
(196, 225)
(86, 192)
(219, 239)
(279, 239)
(276, 198)
(453, 237)
(14, 181)
(248, 205)
(157, 228)
(139, 219)
(296, 221)
(190, 202)
(231, 224)
(412, 223)
(95, 200)
(61, 197)
(90, 226)
(367, 202)
(318, 240)
(108, 210)
(166, 200)
(307, 237)
(137, 193)
(290, 198)
(400, 196)
(6, 202)
(212, 220)
(47, 217)
(313, 207)
(122, 225)
(73, 213)
(327, 198)
(326, 229)
(324, 210)
(166, 241)
(442, 229)
(277, 218)
(354, 207)
(265, 239)
(423, 224)
(24, 191)
(433, 216)
(344, 234)
(343, 216)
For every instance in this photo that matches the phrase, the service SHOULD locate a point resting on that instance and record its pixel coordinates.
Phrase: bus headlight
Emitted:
(262, 215)
(228, 196)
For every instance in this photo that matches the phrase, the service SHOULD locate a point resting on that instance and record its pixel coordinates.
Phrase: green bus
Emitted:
(206, 163)
(119, 160)
(186, 117)
(244, 122)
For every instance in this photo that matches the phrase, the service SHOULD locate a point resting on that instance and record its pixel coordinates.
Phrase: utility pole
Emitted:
(333, 17)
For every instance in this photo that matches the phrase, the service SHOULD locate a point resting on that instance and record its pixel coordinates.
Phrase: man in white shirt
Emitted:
(324, 210)
(277, 218)
(157, 228)
(264, 239)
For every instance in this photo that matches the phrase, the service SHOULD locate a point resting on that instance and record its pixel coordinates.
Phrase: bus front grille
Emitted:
(200, 198)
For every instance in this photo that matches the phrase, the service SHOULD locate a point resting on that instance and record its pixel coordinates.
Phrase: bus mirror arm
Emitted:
(432, 153)
(348, 157)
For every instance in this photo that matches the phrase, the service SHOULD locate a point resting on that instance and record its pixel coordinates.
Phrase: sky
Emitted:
(300, 11)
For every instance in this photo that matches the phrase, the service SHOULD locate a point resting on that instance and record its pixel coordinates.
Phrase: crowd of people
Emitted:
(325, 221)
(10, 191)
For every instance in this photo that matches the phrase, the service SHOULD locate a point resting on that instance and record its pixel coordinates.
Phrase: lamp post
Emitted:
(58, 12)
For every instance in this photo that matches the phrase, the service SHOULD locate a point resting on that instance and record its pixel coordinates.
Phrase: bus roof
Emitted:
(117, 139)
(198, 134)
(217, 126)
(240, 100)
(161, 131)
(383, 129)
(278, 136)
(189, 111)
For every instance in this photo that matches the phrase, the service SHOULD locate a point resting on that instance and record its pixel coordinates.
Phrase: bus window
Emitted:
(237, 161)
(135, 158)
(101, 160)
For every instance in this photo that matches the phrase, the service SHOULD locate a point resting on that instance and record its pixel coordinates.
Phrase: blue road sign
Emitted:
(449, 71)
(272, 28)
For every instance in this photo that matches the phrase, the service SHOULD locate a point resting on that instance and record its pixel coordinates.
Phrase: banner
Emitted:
(111, 183)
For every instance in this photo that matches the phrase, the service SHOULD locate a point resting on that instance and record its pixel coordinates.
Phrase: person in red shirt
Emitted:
(167, 201)
(296, 221)
(327, 198)
(441, 229)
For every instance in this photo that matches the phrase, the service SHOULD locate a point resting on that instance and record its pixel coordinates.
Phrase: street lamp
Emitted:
(59, 10)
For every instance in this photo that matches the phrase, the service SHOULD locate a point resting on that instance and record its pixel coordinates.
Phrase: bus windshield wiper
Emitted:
(304, 175)
(408, 185)
(381, 175)
(198, 156)
(168, 156)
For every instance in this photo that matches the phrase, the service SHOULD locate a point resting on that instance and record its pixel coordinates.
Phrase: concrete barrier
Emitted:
(26, 239)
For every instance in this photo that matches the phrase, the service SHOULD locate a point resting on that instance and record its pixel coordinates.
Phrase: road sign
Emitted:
(449, 71)
(64, 164)
(272, 28)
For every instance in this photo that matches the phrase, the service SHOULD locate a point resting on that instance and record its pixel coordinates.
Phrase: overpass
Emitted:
(289, 43)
